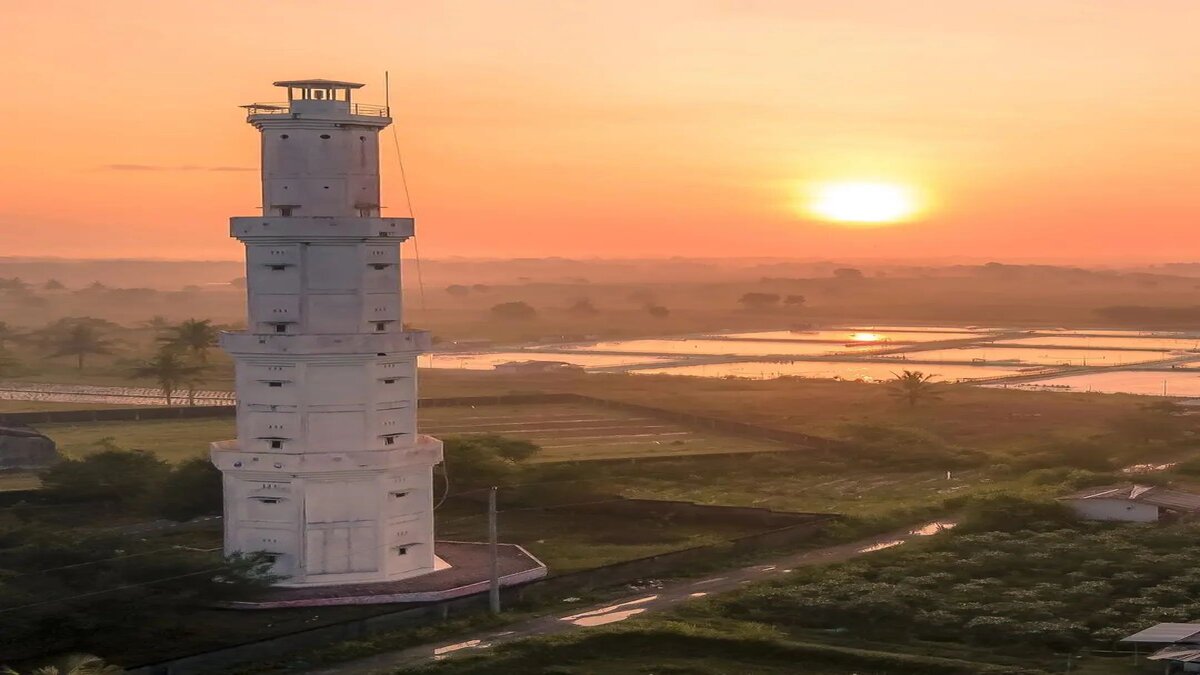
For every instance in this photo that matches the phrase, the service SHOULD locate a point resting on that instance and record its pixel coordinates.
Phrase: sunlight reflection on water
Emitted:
(610, 614)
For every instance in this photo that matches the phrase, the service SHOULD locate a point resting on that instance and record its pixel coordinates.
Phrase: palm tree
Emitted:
(157, 323)
(78, 339)
(194, 336)
(7, 362)
(171, 369)
(914, 386)
(7, 334)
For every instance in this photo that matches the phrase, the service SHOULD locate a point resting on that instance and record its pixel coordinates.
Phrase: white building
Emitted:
(328, 472)
(1131, 503)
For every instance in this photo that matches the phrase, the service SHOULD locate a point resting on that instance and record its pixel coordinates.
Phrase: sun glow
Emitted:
(861, 202)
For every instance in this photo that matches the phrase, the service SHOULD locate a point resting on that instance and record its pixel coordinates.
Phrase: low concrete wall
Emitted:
(117, 414)
(272, 649)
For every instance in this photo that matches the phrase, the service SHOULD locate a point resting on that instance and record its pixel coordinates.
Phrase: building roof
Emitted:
(1145, 494)
(1180, 653)
(317, 83)
(1167, 632)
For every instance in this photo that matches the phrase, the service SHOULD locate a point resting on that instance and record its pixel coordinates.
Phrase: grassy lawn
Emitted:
(967, 415)
(568, 542)
(571, 432)
(7, 406)
(565, 433)
(172, 440)
(18, 480)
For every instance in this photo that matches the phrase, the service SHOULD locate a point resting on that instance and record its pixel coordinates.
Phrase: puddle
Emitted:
(881, 545)
(1147, 468)
(710, 581)
(700, 594)
(469, 644)
(923, 531)
(932, 528)
(610, 614)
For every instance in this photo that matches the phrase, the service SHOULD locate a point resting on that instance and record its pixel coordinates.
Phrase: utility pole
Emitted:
(494, 588)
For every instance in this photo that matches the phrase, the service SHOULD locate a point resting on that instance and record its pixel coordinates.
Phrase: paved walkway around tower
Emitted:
(651, 599)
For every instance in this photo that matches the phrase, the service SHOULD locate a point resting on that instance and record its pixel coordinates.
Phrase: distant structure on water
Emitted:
(328, 473)
(537, 367)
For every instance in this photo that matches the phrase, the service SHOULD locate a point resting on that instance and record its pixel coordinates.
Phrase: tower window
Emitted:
(380, 326)
(277, 268)
(276, 445)
(390, 381)
(275, 384)
(325, 137)
(285, 211)
(283, 136)
(389, 440)
(281, 328)
(401, 550)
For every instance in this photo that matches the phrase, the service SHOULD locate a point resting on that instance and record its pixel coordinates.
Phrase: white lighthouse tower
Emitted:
(328, 473)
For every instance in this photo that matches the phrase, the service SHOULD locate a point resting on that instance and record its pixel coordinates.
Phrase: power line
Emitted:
(409, 204)
(5, 610)
(116, 557)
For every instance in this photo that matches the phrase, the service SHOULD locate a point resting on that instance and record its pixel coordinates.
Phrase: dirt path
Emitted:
(653, 598)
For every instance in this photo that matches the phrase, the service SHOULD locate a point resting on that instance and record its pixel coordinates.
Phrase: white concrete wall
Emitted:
(324, 288)
(1114, 509)
(328, 472)
(320, 169)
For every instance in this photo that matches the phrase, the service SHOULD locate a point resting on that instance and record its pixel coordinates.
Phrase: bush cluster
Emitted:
(1016, 573)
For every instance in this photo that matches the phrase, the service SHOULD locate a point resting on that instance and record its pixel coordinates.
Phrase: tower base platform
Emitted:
(463, 568)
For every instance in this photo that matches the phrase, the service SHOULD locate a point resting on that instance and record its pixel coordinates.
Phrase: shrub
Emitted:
(191, 489)
(128, 477)
(514, 311)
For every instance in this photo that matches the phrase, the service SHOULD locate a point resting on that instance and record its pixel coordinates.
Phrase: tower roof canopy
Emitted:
(318, 83)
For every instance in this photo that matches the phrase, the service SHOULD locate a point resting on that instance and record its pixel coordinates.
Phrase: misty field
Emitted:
(565, 433)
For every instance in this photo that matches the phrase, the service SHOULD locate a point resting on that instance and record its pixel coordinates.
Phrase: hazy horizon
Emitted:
(1029, 131)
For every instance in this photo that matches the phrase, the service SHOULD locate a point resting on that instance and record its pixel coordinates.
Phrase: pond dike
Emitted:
(730, 427)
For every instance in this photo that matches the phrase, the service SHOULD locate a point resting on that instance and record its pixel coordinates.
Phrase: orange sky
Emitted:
(1041, 129)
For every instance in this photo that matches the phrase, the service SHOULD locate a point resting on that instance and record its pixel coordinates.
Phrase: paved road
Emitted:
(653, 597)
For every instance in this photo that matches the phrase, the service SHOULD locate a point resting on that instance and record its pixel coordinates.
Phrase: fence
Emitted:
(272, 649)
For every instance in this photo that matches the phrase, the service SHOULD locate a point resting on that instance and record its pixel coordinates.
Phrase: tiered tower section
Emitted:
(328, 473)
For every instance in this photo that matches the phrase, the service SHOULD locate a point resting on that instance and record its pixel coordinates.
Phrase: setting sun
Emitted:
(863, 202)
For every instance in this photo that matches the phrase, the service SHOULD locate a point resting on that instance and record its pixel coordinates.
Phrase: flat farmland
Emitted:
(577, 432)
(566, 432)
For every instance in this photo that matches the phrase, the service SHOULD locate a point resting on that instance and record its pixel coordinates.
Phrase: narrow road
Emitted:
(652, 598)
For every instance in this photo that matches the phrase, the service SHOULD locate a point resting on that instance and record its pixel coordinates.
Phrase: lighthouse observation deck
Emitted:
(294, 107)
(321, 98)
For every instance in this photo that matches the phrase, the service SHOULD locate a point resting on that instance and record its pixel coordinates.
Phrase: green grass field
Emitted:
(568, 542)
(566, 432)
